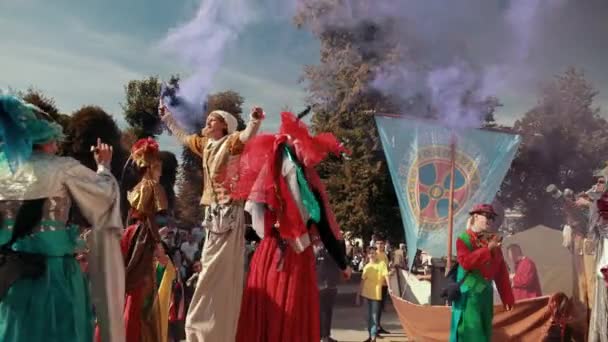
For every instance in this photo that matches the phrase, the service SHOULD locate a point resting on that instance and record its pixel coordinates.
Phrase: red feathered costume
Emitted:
(281, 299)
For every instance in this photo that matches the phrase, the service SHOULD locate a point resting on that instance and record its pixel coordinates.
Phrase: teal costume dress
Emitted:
(473, 312)
(56, 306)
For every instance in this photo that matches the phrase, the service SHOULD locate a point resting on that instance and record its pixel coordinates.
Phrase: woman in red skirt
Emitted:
(289, 207)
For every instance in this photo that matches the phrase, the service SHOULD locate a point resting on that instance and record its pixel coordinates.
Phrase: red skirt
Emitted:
(280, 305)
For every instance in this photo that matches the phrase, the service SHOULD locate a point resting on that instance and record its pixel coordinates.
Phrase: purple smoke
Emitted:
(200, 44)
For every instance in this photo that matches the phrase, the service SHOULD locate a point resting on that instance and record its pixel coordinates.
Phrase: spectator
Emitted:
(372, 242)
(196, 270)
(525, 281)
(180, 263)
(373, 278)
(328, 276)
(190, 247)
(382, 257)
(399, 257)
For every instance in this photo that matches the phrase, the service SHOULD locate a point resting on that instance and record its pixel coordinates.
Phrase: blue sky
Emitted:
(83, 52)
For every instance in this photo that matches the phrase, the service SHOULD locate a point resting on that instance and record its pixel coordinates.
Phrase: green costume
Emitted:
(473, 312)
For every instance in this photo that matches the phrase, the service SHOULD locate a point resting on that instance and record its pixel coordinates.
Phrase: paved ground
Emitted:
(350, 321)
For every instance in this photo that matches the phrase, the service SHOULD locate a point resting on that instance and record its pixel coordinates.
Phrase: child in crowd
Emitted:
(375, 274)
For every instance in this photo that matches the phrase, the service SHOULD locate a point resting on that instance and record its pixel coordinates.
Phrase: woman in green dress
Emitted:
(55, 305)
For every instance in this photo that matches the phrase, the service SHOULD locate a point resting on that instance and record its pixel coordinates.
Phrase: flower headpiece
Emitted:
(145, 152)
(147, 197)
(313, 149)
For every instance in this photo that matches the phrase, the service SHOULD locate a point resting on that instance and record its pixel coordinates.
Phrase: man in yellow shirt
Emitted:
(382, 257)
(374, 276)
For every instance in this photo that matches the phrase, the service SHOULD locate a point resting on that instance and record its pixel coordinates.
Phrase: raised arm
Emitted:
(193, 141)
(255, 121)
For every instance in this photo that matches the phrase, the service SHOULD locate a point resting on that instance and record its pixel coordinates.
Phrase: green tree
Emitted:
(190, 178)
(45, 103)
(563, 139)
(141, 106)
(360, 189)
(141, 113)
(86, 125)
(342, 88)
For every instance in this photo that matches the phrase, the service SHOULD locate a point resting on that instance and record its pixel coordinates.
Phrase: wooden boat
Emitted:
(527, 322)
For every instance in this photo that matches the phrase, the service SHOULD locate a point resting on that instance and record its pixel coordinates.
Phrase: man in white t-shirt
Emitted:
(190, 247)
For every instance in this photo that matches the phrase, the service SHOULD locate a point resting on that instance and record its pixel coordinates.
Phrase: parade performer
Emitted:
(290, 209)
(46, 296)
(480, 262)
(139, 244)
(597, 200)
(582, 245)
(214, 311)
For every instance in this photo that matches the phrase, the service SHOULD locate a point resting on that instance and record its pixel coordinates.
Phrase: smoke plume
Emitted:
(200, 45)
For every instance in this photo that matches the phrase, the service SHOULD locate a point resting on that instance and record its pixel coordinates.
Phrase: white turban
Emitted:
(229, 119)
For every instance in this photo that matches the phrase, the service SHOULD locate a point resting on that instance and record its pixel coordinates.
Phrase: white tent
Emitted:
(553, 261)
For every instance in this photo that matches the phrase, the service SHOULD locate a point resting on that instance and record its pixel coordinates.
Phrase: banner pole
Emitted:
(448, 266)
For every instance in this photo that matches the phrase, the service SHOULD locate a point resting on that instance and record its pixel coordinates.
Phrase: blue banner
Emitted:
(418, 153)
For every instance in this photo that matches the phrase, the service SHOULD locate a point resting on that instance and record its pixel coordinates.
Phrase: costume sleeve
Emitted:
(251, 130)
(524, 274)
(471, 260)
(193, 141)
(256, 210)
(336, 248)
(503, 285)
(291, 177)
(98, 197)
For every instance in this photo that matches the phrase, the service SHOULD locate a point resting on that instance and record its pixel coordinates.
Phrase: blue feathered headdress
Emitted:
(22, 126)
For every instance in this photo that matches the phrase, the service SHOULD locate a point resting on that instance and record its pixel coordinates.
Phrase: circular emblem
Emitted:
(427, 184)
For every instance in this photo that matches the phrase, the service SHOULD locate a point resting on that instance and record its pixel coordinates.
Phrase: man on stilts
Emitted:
(215, 306)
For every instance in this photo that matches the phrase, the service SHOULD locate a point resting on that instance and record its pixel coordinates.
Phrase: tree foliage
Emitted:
(360, 189)
(563, 139)
(45, 103)
(141, 106)
(356, 51)
(86, 125)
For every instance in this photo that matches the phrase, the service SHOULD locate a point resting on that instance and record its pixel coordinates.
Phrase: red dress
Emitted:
(281, 298)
